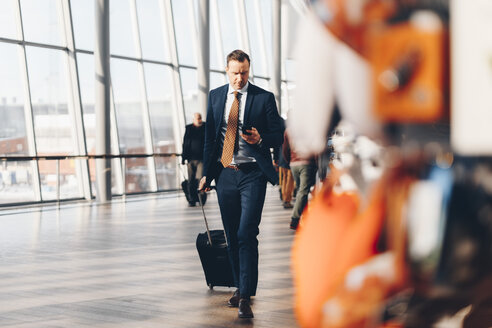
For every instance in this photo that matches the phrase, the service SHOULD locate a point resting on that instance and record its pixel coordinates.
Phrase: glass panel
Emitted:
(16, 178)
(266, 15)
(127, 98)
(158, 80)
(53, 124)
(83, 18)
(257, 63)
(16, 182)
(136, 175)
(228, 26)
(87, 92)
(41, 22)
(154, 42)
(128, 105)
(284, 100)
(216, 80)
(7, 19)
(167, 172)
(184, 33)
(189, 85)
(13, 138)
(290, 90)
(290, 70)
(215, 63)
(67, 179)
(262, 83)
(121, 30)
(86, 71)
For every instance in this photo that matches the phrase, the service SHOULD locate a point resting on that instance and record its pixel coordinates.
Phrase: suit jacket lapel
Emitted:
(220, 107)
(247, 107)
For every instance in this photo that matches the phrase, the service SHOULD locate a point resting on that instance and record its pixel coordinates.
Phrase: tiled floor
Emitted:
(131, 264)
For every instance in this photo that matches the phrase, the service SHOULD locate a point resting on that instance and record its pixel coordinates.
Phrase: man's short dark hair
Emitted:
(239, 56)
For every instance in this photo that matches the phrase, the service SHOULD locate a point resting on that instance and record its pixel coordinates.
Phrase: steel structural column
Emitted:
(277, 53)
(203, 68)
(103, 136)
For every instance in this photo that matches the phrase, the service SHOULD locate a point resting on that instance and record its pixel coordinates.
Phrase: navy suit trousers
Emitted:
(241, 195)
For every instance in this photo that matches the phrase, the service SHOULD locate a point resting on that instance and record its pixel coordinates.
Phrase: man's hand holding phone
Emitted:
(250, 135)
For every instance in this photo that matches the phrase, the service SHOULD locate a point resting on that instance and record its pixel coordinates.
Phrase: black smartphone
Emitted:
(245, 127)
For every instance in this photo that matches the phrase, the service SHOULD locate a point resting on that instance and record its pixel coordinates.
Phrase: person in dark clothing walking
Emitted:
(193, 143)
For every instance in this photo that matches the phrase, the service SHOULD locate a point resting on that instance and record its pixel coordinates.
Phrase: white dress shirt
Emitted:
(242, 156)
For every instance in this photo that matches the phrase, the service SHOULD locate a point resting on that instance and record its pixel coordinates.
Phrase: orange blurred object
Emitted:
(409, 66)
(335, 236)
(409, 58)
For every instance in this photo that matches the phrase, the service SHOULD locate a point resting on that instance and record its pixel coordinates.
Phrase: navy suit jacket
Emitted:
(260, 112)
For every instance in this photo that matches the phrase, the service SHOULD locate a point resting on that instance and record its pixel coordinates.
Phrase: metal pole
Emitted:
(58, 181)
(204, 54)
(103, 136)
(277, 53)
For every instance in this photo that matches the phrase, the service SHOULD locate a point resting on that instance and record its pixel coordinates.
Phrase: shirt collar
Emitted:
(243, 90)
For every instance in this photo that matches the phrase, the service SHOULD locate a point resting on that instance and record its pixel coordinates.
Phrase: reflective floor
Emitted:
(132, 263)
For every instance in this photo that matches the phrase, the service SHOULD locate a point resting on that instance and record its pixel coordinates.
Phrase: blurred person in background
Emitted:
(193, 142)
(286, 180)
(304, 173)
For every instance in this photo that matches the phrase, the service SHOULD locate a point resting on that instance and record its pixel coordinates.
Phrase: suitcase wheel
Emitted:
(210, 286)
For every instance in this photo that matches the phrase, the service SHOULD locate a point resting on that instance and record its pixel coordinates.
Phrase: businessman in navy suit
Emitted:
(242, 125)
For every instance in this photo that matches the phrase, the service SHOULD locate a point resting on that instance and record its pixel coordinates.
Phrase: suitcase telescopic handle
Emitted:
(205, 219)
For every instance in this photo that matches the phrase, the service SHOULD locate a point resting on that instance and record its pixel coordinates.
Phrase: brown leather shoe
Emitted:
(234, 300)
(244, 310)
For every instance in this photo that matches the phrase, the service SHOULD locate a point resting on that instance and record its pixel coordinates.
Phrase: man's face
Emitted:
(238, 73)
(197, 120)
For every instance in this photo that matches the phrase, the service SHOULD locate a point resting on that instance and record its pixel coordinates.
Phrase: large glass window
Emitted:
(41, 21)
(266, 15)
(51, 92)
(189, 85)
(154, 42)
(12, 120)
(228, 26)
(128, 104)
(262, 83)
(217, 60)
(290, 90)
(16, 178)
(257, 60)
(8, 13)
(87, 93)
(290, 71)
(86, 71)
(16, 182)
(121, 29)
(129, 120)
(216, 80)
(83, 23)
(184, 32)
(53, 124)
(160, 99)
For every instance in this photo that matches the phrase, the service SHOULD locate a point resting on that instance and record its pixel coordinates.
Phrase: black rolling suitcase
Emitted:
(212, 249)
(184, 187)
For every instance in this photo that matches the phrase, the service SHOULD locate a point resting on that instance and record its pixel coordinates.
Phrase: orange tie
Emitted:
(231, 132)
